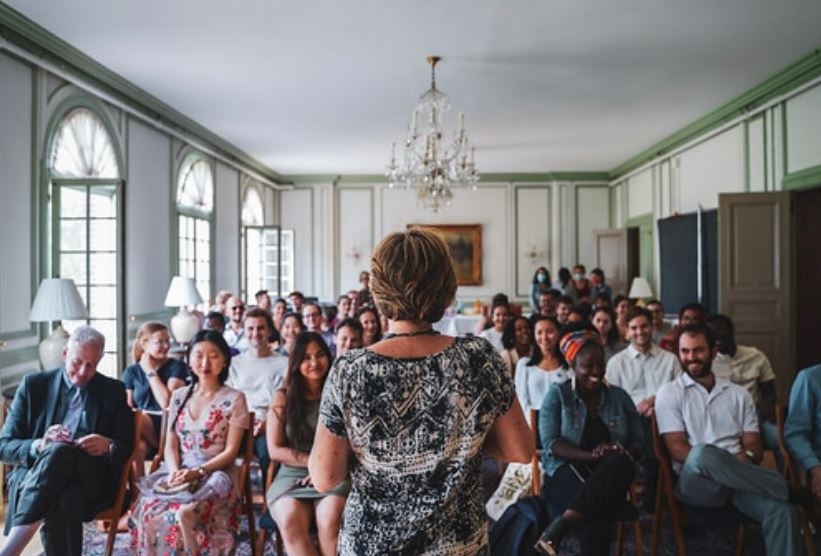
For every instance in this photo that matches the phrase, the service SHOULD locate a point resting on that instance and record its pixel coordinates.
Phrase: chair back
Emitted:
(246, 496)
(536, 470)
(112, 514)
(158, 457)
(790, 471)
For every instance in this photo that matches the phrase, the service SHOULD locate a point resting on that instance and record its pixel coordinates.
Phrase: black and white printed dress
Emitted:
(416, 429)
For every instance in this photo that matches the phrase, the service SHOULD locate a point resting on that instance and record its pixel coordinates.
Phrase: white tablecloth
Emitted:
(459, 325)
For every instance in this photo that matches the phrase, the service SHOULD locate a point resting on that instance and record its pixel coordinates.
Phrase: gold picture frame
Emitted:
(465, 242)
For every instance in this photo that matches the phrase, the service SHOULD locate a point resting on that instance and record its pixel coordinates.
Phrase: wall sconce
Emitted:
(532, 253)
(354, 254)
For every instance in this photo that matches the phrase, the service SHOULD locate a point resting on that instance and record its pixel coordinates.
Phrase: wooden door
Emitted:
(612, 258)
(755, 274)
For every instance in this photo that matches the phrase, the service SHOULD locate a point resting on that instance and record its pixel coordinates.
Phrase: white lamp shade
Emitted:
(182, 292)
(57, 299)
(640, 289)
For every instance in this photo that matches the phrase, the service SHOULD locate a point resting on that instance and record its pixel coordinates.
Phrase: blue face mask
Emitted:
(541, 277)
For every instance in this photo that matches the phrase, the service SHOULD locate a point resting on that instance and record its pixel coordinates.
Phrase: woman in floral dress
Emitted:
(206, 424)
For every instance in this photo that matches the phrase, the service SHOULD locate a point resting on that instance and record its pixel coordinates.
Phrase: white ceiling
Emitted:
(324, 87)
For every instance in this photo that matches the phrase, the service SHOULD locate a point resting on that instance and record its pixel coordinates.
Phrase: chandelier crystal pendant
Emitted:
(431, 165)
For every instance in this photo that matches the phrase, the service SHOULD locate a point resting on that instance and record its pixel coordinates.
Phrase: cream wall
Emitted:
(748, 155)
(338, 225)
(31, 99)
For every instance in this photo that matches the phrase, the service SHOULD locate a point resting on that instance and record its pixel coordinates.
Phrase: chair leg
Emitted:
(741, 540)
(249, 514)
(809, 542)
(112, 535)
(619, 537)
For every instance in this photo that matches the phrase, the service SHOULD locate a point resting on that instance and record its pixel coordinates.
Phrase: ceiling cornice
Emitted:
(21, 31)
(546, 177)
(794, 75)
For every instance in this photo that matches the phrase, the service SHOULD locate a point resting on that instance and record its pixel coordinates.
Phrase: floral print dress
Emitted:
(203, 522)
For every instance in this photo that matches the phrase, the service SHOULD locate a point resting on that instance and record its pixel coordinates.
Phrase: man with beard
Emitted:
(710, 427)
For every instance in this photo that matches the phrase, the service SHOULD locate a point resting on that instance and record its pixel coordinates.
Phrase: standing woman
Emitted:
(149, 383)
(535, 374)
(591, 434)
(293, 501)
(541, 284)
(371, 325)
(517, 340)
(416, 447)
(191, 504)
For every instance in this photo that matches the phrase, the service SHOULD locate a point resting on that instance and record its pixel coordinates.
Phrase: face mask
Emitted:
(541, 278)
(579, 276)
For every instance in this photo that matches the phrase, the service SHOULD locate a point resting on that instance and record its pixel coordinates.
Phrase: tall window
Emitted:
(195, 206)
(85, 224)
(267, 262)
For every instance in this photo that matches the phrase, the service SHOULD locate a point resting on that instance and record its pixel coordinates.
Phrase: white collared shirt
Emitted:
(642, 374)
(748, 368)
(718, 417)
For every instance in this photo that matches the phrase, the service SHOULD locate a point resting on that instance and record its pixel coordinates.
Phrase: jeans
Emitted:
(713, 477)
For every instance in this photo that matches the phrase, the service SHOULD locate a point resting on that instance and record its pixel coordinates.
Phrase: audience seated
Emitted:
(149, 383)
(802, 431)
(621, 304)
(206, 424)
(600, 289)
(565, 284)
(500, 314)
(535, 374)
(215, 320)
(517, 341)
(289, 329)
(234, 334)
(591, 435)
(748, 367)
(280, 307)
(660, 326)
(313, 319)
(257, 373)
(68, 433)
(642, 367)
(293, 501)
(563, 308)
(296, 299)
(603, 319)
(343, 310)
(582, 285)
(540, 284)
(347, 336)
(371, 326)
(711, 431)
(691, 313)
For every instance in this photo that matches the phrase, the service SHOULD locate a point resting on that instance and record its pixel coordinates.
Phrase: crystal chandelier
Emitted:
(430, 164)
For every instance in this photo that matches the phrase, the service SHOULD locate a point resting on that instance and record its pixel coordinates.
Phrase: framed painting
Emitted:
(465, 242)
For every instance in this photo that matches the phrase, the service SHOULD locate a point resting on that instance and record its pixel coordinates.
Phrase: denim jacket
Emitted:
(563, 414)
(802, 430)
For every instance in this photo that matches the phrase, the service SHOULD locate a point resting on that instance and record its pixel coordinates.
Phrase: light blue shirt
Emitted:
(802, 430)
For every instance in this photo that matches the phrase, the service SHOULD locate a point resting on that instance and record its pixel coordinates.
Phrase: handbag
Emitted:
(515, 484)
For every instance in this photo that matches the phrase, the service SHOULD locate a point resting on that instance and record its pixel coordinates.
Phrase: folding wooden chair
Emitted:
(246, 497)
(266, 522)
(111, 516)
(795, 478)
(536, 470)
(724, 517)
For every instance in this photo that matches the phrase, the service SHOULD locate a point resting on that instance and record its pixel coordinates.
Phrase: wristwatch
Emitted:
(111, 447)
(750, 454)
(152, 374)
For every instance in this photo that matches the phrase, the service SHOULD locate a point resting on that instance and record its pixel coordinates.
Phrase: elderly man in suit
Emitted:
(68, 434)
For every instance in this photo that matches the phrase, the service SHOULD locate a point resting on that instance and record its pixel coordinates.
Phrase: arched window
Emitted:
(195, 205)
(84, 177)
(252, 214)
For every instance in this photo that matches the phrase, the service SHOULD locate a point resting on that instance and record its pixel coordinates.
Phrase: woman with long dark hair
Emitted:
(535, 374)
(293, 501)
(604, 320)
(191, 504)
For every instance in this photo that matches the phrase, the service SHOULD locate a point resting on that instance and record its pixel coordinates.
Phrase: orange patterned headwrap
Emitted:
(572, 343)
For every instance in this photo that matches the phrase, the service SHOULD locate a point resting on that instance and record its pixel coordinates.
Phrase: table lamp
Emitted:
(183, 292)
(57, 299)
(640, 289)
